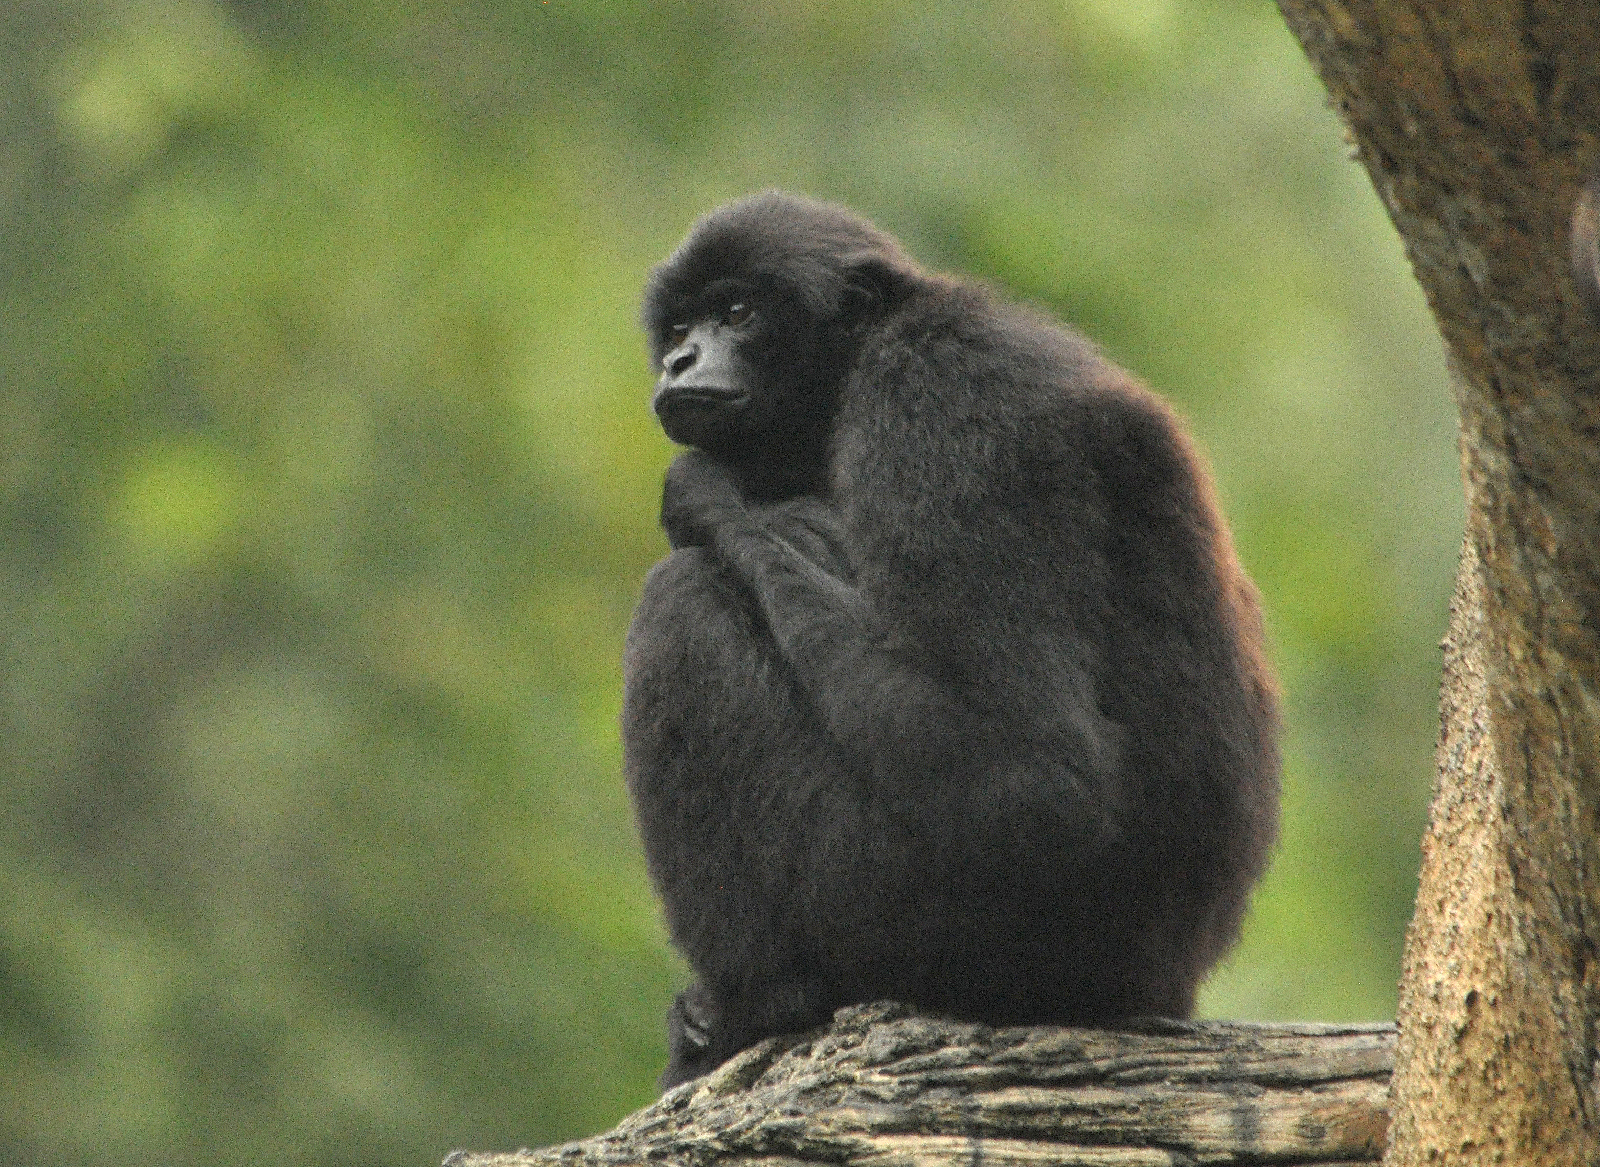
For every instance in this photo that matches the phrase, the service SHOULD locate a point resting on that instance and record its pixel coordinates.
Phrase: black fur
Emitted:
(951, 690)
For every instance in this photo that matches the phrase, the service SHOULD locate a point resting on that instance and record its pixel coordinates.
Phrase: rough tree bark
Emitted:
(1478, 120)
(885, 1088)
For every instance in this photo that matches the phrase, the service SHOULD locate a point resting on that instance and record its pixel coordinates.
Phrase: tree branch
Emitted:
(884, 1087)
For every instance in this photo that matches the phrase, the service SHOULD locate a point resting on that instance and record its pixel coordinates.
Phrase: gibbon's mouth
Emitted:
(670, 398)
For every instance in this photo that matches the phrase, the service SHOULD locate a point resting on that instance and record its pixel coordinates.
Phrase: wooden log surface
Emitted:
(885, 1087)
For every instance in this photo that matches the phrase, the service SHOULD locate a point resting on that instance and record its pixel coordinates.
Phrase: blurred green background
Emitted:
(328, 484)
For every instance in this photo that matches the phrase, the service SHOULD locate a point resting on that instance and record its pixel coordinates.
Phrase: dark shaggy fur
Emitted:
(951, 690)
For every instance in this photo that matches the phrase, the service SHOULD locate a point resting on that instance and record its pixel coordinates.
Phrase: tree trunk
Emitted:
(1478, 120)
(885, 1088)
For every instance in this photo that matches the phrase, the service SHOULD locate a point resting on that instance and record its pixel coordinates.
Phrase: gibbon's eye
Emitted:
(676, 335)
(739, 314)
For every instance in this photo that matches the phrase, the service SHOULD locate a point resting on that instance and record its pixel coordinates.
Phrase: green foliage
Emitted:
(327, 484)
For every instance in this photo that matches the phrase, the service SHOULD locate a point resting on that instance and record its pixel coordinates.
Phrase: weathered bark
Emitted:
(884, 1087)
(1477, 120)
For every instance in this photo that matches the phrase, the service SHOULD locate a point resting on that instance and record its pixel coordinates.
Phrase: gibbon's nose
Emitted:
(681, 359)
